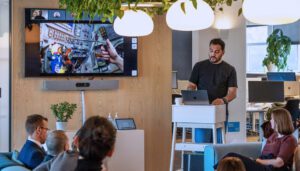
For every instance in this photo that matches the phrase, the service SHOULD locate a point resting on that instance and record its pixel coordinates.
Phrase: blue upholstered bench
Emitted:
(7, 164)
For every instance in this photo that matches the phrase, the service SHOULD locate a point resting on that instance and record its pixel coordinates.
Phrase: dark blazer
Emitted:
(31, 154)
(48, 157)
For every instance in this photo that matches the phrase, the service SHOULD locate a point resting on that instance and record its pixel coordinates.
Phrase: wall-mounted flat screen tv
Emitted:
(58, 45)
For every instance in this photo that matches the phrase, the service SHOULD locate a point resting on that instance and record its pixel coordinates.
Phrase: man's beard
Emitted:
(214, 60)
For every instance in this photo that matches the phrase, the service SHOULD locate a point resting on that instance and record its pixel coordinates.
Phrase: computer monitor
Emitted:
(266, 91)
(174, 80)
(281, 76)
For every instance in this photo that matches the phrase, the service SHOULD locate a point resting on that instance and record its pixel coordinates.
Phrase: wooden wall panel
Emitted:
(146, 98)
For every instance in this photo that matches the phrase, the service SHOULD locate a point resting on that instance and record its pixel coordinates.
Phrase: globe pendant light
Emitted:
(271, 12)
(193, 19)
(134, 23)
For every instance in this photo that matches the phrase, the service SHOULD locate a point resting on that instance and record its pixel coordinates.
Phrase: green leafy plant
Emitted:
(108, 9)
(63, 111)
(270, 109)
(278, 49)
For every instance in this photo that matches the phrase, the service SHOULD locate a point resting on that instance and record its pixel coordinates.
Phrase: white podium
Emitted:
(196, 116)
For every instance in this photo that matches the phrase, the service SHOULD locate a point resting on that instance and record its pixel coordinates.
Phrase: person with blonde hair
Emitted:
(231, 164)
(279, 150)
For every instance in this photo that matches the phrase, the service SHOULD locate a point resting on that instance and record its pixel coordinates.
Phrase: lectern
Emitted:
(196, 116)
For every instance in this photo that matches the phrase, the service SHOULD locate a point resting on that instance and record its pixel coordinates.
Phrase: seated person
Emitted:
(57, 142)
(278, 152)
(231, 164)
(32, 153)
(95, 141)
(267, 129)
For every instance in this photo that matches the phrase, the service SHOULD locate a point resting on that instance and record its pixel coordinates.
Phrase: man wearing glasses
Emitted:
(32, 153)
(219, 79)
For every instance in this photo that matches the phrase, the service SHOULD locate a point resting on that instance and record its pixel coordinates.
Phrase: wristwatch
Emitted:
(225, 100)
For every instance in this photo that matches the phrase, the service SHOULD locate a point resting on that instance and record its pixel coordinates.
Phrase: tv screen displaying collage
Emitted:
(69, 48)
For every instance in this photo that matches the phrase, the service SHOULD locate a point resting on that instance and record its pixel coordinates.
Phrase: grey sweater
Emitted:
(66, 161)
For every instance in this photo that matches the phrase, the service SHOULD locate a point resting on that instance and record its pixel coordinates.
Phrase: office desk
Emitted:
(196, 116)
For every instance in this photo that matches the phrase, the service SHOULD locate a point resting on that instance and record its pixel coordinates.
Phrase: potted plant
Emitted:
(63, 112)
(270, 109)
(278, 49)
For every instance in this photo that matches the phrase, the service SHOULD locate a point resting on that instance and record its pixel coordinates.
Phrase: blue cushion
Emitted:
(14, 157)
(15, 168)
(5, 162)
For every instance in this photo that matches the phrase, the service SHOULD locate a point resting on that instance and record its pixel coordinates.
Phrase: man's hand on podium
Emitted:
(218, 101)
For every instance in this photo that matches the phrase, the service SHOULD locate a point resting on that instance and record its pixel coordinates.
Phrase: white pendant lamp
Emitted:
(134, 23)
(193, 19)
(271, 12)
(223, 22)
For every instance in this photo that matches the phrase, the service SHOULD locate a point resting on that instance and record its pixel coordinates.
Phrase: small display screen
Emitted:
(125, 124)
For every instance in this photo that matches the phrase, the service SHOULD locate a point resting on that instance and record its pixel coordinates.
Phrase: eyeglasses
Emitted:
(47, 129)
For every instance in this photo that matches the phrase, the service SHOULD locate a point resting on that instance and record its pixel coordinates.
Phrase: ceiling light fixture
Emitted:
(271, 12)
(134, 24)
(222, 22)
(192, 19)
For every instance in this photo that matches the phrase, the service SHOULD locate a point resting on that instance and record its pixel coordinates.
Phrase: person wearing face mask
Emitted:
(218, 78)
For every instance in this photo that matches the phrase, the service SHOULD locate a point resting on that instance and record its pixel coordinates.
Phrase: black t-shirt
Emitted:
(215, 78)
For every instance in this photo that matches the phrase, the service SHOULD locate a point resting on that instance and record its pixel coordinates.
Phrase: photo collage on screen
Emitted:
(68, 47)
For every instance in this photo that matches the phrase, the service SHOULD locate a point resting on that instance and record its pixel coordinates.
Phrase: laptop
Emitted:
(195, 97)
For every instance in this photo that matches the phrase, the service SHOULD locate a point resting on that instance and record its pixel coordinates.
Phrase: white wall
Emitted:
(4, 75)
(235, 54)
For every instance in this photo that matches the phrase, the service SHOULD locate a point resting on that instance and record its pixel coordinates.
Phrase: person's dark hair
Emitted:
(267, 129)
(33, 122)
(231, 164)
(96, 138)
(56, 142)
(218, 41)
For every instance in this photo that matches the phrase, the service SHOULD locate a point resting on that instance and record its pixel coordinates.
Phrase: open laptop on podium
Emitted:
(195, 97)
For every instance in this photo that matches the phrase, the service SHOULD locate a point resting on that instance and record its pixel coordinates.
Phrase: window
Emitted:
(256, 37)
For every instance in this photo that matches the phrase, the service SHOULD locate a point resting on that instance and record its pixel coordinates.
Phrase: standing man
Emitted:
(218, 78)
(32, 153)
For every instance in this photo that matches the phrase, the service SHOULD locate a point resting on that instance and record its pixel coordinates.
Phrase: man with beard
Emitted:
(218, 78)
(32, 153)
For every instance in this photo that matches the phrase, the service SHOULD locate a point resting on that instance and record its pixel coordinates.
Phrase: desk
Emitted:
(129, 151)
(192, 116)
(261, 111)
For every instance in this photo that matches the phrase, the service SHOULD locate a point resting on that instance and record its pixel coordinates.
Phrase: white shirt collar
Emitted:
(36, 142)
